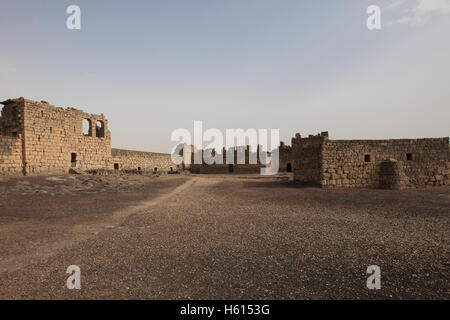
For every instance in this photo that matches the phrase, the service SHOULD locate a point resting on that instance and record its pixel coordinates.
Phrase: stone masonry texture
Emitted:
(392, 164)
(38, 138)
(145, 162)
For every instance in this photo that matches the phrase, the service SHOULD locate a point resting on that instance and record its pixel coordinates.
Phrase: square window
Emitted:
(367, 158)
(409, 157)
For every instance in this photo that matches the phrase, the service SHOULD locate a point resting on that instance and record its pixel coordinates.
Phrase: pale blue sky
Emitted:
(297, 65)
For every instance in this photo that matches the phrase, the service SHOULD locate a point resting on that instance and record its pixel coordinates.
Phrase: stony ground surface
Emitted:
(216, 237)
(72, 184)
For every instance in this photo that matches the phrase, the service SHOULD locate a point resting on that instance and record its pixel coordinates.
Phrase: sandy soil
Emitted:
(221, 237)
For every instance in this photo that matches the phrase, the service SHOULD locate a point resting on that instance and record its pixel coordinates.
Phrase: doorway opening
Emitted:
(73, 159)
(289, 167)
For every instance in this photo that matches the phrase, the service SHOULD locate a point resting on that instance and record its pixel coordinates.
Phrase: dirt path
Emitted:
(74, 231)
(247, 237)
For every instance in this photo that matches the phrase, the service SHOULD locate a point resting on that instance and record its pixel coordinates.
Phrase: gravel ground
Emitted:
(231, 237)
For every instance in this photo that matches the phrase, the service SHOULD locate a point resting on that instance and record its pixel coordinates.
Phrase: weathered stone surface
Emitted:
(143, 162)
(38, 138)
(395, 163)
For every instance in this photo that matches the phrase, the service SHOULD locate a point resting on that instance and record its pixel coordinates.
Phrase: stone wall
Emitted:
(285, 158)
(240, 167)
(307, 158)
(226, 168)
(38, 138)
(52, 138)
(11, 139)
(395, 163)
(10, 155)
(357, 163)
(145, 162)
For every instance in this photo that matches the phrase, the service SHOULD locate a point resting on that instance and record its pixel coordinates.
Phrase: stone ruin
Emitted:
(391, 164)
(38, 138)
(249, 162)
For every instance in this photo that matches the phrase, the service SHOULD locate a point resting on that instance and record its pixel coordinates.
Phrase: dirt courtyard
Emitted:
(219, 237)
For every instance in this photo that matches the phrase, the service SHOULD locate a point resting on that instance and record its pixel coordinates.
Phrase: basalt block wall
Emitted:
(52, 139)
(146, 162)
(358, 163)
(396, 163)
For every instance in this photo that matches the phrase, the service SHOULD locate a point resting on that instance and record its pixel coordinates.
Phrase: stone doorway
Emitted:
(73, 159)
(289, 167)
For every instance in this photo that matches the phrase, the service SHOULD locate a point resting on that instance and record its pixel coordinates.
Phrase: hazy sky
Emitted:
(297, 65)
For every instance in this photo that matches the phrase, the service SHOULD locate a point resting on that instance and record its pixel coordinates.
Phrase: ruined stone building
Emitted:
(394, 163)
(250, 161)
(38, 138)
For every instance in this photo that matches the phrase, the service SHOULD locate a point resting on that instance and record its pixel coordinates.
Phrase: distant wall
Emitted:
(245, 167)
(143, 161)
